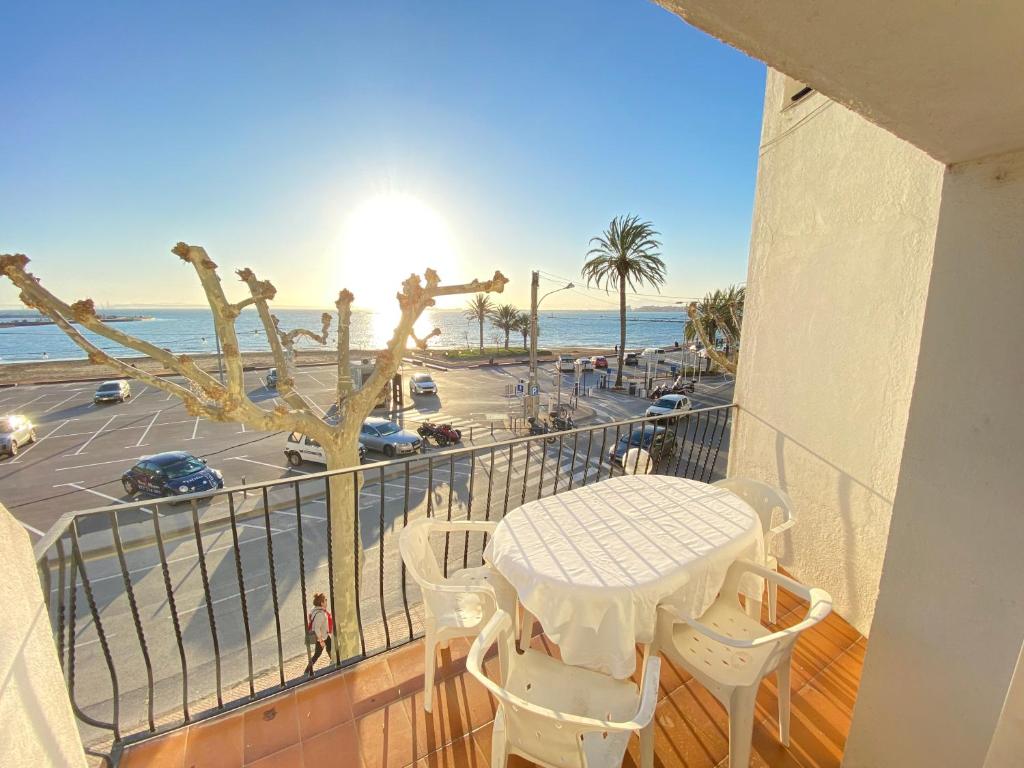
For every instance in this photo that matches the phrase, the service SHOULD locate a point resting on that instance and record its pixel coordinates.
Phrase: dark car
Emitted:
(171, 474)
(651, 438)
(632, 358)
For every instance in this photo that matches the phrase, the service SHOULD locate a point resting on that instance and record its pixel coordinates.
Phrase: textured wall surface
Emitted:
(38, 726)
(950, 615)
(840, 257)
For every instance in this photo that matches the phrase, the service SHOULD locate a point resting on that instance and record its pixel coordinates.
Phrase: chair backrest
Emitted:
(637, 462)
(764, 499)
(417, 554)
(542, 734)
(768, 650)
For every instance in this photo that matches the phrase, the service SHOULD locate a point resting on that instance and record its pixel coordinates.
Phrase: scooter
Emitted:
(442, 434)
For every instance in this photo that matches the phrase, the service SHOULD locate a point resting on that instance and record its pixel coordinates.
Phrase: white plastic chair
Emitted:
(637, 461)
(456, 606)
(557, 715)
(765, 499)
(730, 653)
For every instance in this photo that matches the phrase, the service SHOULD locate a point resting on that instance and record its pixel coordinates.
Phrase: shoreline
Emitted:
(80, 369)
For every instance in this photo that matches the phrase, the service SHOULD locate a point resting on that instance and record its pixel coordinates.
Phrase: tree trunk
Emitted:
(506, 338)
(622, 330)
(524, 341)
(713, 354)
(344, 542)
(481, 334)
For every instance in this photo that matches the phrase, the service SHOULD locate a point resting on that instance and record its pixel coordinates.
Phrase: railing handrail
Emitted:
(61, 524)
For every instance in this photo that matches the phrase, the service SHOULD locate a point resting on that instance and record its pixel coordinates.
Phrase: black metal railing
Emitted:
(166, 613)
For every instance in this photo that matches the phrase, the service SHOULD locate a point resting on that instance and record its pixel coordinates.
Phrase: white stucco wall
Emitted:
(38, 727)
(950, 616)
(840, 257)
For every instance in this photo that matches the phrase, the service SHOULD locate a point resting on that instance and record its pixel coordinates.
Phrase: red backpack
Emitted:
(330, 620)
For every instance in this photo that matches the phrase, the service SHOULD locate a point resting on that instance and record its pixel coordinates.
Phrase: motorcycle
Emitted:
(562, 423)
(442, 434)
(687, 387)
(538, 427)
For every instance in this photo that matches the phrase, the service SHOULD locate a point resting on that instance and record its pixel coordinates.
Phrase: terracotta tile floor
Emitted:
(372, 716)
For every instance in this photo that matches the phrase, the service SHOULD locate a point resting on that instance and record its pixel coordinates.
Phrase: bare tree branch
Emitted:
(344, 307)
(413, 299)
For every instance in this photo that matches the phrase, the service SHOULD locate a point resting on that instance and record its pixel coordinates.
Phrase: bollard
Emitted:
(245, 492)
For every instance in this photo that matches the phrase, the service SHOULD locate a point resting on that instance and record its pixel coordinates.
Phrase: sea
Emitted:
(190, 330)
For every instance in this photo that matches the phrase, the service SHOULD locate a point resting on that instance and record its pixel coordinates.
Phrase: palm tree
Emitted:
(625, 254)
(523, 326)
(479, 308)
(505, 316)
(719, 312)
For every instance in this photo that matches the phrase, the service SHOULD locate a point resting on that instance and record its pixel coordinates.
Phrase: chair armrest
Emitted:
(451, 526)
(648, 698)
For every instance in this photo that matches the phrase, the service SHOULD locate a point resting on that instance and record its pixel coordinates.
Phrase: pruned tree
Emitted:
(205, 396)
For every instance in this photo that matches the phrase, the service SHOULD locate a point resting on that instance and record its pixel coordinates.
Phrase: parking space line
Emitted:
(28, 527)
(102, 495)
(25, 405)
(86, 443)
(314, 378)
(93, 642)
(58, 405)
(150, 426)
(17, 458)
(95, 464)
(194, 430)
(266, 464)
(169, 396)
(218, 600)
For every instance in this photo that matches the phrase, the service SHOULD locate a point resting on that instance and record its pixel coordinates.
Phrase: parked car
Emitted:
(171, 474)
(631, 358)
(565, 364)
(15, 431)
(585, 364)
(300, 448)
(653, 439)
(422, 384)
(599, 361)
(114, 391)
(271, 380)
(655, 354)
(669, 404)
(388, 438)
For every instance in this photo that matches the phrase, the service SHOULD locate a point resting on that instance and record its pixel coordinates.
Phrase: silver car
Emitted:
(422, 384)
(388, 438)
(113, 391)
(15, 431)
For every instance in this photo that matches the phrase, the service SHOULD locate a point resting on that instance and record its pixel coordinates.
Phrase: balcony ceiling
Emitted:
(943, 74)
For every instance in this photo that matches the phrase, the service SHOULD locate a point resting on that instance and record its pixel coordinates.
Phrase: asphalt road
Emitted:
(83, 449)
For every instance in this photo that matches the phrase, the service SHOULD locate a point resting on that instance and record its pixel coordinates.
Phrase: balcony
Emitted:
(372, 716)
(181, 628)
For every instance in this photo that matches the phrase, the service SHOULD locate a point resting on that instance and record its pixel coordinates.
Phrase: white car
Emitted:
(422, 384)
(668, 405)
(657, 354)
(300, 448)
(566, 364)
(585, 364)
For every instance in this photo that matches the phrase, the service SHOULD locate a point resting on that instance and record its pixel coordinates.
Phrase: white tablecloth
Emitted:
(593, 564)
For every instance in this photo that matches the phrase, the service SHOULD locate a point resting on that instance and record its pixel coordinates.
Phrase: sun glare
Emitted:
(383, 241)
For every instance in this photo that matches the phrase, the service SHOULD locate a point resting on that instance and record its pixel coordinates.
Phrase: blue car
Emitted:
(653, 439)
(171, 474)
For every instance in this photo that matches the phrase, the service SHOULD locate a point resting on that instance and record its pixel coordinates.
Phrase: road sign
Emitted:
(534, 391)
(520, 390)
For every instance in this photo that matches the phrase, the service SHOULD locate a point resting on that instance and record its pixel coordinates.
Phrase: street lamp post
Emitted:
(534, 304)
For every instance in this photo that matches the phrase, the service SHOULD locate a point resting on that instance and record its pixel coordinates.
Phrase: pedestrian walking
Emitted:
(319, 629)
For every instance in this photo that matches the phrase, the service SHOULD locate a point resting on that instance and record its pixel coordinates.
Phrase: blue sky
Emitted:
(256, 129)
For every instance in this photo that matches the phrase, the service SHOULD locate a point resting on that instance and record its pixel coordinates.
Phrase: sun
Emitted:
(384, 240)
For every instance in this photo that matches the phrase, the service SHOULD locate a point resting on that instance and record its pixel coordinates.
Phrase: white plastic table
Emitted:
(593, 564)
